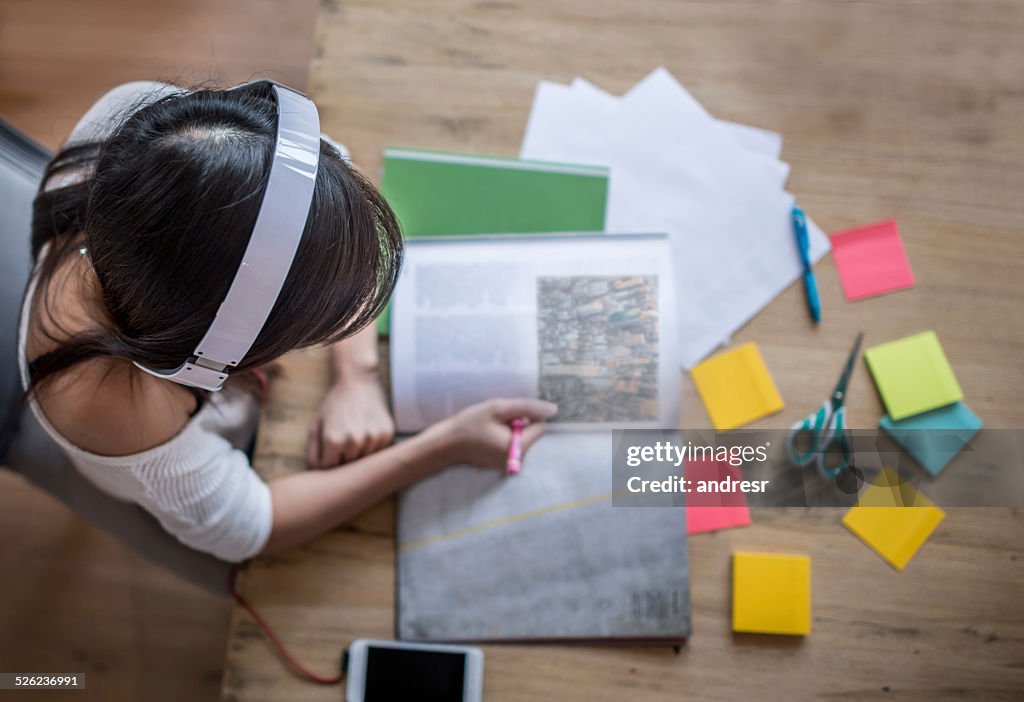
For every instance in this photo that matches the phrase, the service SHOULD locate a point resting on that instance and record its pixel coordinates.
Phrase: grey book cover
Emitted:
(540, 556)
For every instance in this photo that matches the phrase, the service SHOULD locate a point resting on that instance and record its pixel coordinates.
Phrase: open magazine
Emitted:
(583, 320)
(586, 321)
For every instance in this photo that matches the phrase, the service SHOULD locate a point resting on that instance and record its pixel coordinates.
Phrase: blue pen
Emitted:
(803, 244)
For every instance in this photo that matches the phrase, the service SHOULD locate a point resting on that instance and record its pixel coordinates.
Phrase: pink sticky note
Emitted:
(711, 511)
(871, 260)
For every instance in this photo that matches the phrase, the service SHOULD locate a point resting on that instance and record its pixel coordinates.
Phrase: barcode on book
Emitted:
(656, 604)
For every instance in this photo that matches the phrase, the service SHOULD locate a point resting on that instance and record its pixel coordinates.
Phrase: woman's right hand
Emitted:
(480, 434)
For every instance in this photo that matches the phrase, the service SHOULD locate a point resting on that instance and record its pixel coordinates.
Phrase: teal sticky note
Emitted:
(934, 438)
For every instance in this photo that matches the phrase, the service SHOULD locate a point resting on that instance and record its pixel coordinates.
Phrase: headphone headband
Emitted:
(268, 256)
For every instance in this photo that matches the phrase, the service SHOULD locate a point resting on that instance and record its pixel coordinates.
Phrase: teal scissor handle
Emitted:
(805, 436)
(833, 462)
(809, 440)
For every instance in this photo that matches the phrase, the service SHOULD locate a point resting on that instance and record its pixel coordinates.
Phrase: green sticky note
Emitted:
(913, 375)
(435, 193)
(934, 438)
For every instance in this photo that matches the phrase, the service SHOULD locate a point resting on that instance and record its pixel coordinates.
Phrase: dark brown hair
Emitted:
(165, 212)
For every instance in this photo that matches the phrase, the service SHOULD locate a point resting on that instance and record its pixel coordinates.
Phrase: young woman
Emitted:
(139, 226)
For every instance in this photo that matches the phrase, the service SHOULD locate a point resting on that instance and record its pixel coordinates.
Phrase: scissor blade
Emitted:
(840, 392)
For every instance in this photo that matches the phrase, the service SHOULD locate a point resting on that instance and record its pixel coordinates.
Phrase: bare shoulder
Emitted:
(104, 406)
(108, 407)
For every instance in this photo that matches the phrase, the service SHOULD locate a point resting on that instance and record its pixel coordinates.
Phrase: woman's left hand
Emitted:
(353, 422)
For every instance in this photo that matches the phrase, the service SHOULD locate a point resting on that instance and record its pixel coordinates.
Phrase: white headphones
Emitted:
(271, 249)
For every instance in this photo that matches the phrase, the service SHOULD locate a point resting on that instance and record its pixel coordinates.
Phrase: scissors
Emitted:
(811, 438)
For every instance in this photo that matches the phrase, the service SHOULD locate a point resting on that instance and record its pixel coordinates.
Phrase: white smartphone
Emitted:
(384, 671)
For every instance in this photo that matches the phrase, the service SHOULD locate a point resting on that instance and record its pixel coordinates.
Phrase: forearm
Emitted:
(357, 354)
(310, 503)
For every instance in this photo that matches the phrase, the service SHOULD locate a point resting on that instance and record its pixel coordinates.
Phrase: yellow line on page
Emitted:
(502, 521)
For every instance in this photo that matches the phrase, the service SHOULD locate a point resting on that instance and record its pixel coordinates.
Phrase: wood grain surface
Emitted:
(57, 57)
(905, 110)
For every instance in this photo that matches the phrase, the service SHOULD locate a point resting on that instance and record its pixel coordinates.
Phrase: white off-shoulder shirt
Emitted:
(199, 484)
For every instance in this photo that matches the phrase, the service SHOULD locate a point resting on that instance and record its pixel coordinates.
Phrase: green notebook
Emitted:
(437, 193)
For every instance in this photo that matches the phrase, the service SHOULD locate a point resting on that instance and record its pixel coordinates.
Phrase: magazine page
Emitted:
(585, 321)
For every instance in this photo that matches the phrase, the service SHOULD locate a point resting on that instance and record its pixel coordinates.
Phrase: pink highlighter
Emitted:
(515, 448)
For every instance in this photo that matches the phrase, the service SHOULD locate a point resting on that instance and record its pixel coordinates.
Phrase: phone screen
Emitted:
(424, 676)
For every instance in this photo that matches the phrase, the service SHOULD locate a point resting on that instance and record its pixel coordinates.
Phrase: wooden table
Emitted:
(904, 110)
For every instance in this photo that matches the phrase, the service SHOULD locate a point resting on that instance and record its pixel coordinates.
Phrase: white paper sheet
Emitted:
(762, 141)
(756, 139)
(767, 145)
(715, 188)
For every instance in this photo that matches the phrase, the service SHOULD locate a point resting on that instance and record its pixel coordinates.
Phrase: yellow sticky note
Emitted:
(736, 387)
(771, 593)
(894, 519)
(913, 375)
